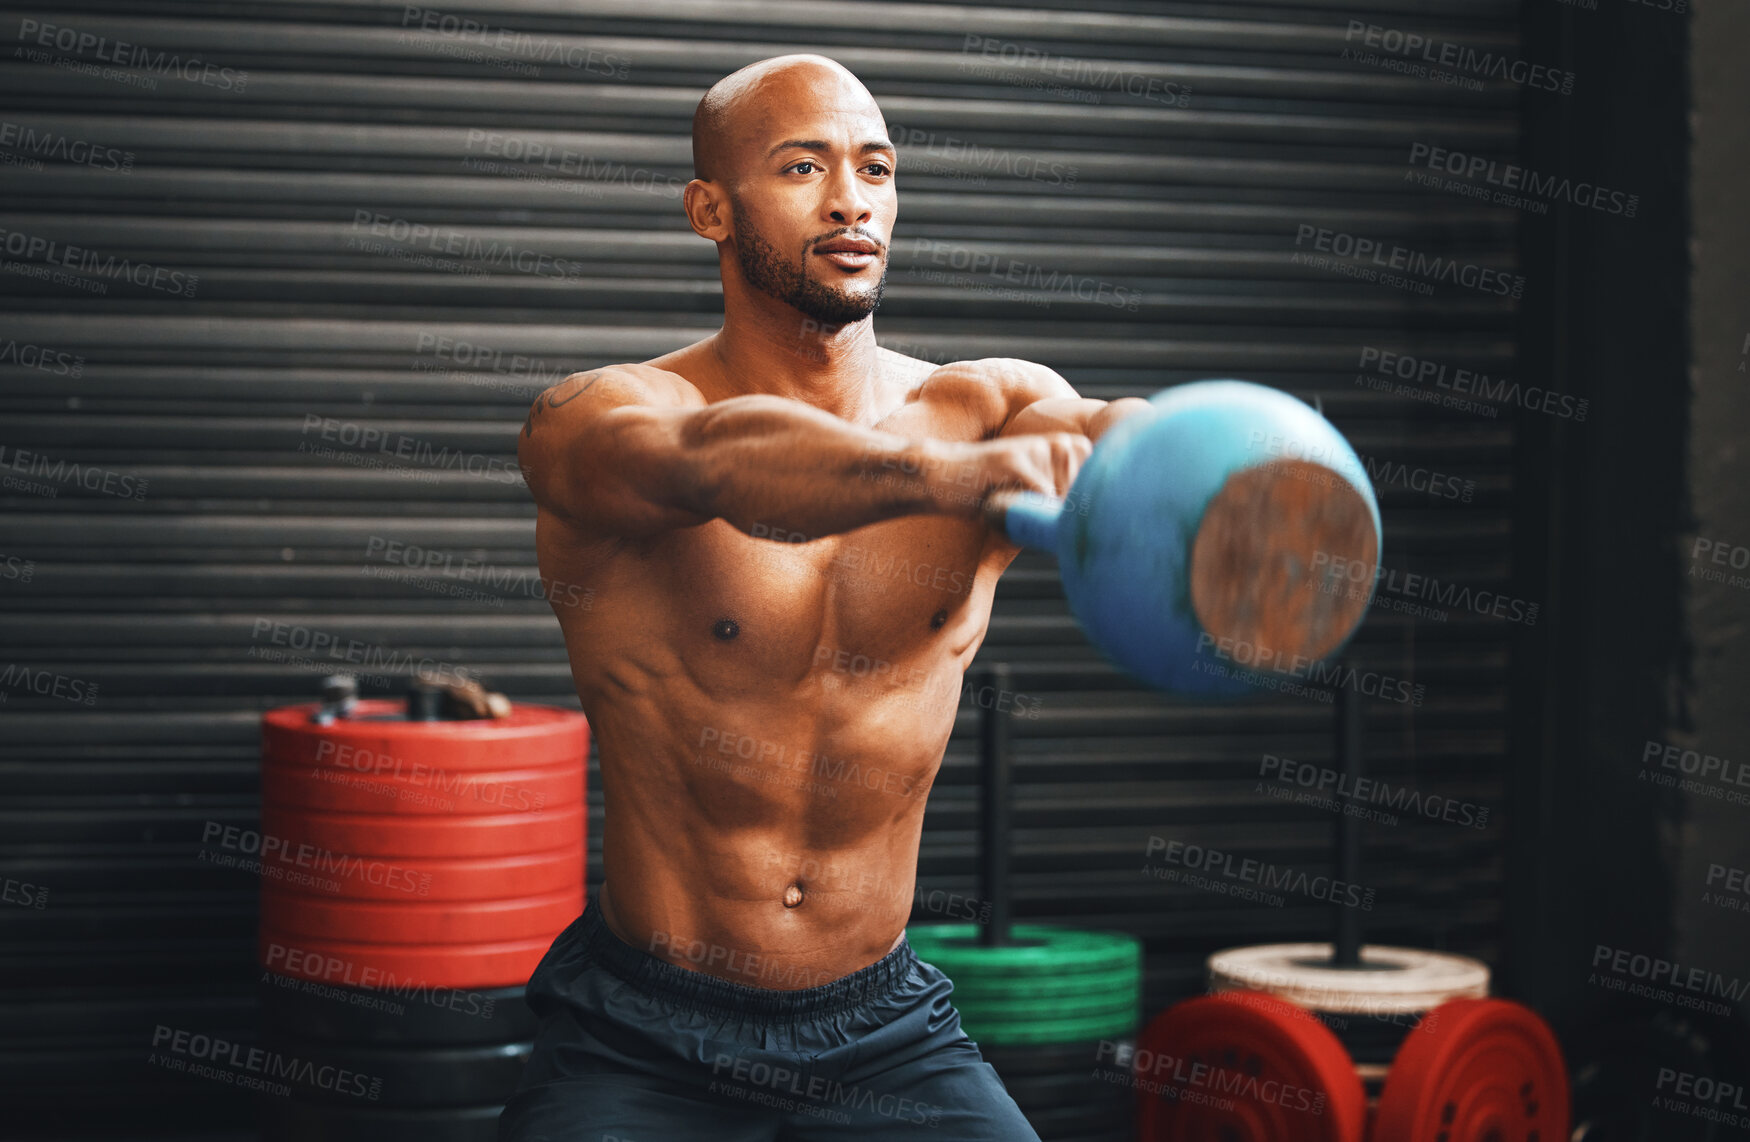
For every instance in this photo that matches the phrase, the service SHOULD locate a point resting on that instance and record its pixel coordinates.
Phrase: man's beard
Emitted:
(769, 273)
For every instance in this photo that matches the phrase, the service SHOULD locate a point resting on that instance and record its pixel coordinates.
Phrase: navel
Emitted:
(793, 896)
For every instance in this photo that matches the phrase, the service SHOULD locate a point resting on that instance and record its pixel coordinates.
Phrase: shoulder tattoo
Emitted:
(551, 399)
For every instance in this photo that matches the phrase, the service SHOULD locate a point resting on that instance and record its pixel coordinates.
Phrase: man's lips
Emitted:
(849, 253)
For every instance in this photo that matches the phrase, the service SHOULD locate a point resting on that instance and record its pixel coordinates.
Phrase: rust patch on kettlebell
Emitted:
(1283, 562)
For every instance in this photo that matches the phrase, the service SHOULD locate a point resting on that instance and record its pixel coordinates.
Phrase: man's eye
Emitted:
(878, 168)
(804, 163)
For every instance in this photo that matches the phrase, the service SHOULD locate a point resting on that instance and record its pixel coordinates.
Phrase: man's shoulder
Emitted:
(981, 395)
(627, 383)
(680, 367)
(1010, 378)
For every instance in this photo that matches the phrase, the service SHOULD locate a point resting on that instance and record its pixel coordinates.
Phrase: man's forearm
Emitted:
(763, 461)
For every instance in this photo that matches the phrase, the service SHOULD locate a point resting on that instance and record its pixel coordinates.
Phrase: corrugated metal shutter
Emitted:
(296, 329)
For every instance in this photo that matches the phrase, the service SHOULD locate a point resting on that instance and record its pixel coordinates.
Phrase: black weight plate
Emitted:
(427, 1016)
(407, 1076)
(1081, 1119)
(1048, 1091)
(1072, 1100)
(1116, 1134)
(1054, 1058)
(1088, 1108)
(287, 1120)
(1619, 1059)
(1073, 1134)
(1022, 1012)
(1370, 1038)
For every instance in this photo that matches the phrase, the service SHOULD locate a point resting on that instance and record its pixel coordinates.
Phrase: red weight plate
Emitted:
(1476, 1070)
(423, 835)
(532, 737)
(348, 877)
(422, 791)
(406, 970)
(399, 922)
(1243, 1066)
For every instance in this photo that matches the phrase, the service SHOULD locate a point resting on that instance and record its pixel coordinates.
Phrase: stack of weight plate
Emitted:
(441, 1063)
(1055, 1011)
(421, 870)
(1372, 1009)
(1419, 1054)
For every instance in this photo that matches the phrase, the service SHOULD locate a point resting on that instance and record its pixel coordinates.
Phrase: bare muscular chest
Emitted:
(896, 607)
(877, 604)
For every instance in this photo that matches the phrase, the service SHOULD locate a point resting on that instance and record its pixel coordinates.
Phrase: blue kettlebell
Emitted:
(1228, 534)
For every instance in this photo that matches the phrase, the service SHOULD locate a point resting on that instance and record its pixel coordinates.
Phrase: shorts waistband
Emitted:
(698, 991)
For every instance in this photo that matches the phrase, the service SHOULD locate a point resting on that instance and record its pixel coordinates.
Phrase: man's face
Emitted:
(814, 205)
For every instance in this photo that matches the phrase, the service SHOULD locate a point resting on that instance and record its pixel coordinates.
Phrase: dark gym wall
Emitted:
(1596, 533)
(1637, 676)
(1715, 549)
(1710, 929)
(347, 277)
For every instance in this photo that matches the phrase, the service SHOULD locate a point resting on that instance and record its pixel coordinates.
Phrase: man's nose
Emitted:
(848, 202)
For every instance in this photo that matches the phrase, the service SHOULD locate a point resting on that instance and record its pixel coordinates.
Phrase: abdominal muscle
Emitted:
(738, 929)
(785, 872)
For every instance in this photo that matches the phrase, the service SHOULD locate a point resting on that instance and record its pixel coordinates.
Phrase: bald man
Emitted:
(785, 531)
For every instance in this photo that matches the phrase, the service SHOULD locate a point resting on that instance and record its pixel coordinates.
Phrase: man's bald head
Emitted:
(794, 181)
(742, 106)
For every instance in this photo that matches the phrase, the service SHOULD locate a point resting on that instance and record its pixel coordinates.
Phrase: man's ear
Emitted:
(708, 212)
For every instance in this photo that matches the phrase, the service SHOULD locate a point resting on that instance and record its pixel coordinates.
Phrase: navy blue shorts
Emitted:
(634, 1049)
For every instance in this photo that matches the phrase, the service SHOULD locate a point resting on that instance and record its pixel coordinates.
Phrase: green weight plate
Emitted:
(1037, 949)
(1073, 988)
(1000, 992)
(1118, 959)
(1019, 976)
(1107, 993)
(1066, 984)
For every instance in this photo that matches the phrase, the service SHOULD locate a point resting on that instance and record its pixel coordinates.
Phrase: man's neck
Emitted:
(830, 367)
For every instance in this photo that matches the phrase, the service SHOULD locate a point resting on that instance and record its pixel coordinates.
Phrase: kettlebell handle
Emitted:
(1027, 518)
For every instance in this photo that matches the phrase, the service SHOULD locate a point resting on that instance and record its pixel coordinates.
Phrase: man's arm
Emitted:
(1022, 398)
(1042, 401)
(1089, 417)
(635, 451)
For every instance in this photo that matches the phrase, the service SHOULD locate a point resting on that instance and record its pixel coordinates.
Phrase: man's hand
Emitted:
(963, 477)
(1043, 432)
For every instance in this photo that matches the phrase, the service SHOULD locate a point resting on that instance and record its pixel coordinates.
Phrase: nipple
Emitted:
(937, 619)
(726, 629)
